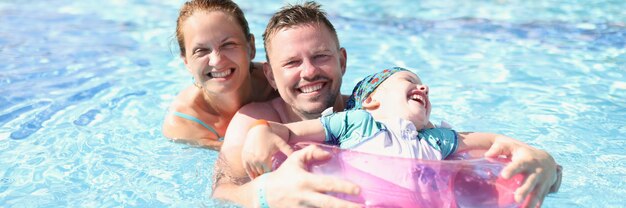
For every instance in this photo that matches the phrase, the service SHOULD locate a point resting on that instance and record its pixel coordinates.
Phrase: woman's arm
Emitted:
(181, 130)
(229, 174)
(264, 139)
(292, 133)
(290, 185)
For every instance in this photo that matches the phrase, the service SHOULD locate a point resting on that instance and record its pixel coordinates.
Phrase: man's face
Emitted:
(306, 68)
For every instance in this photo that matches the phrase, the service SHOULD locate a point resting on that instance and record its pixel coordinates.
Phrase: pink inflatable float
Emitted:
(465, 181)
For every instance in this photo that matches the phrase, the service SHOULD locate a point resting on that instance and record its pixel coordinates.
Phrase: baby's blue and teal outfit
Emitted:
(357, 130)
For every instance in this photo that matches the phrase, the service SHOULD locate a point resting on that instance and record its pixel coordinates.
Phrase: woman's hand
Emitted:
(538, 166)
(261, 144)
(292, 186)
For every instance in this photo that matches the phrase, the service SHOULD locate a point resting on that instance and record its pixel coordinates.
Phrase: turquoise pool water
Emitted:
(84, 86)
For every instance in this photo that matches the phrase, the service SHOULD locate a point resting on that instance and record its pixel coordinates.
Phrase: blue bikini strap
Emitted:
(191, 118)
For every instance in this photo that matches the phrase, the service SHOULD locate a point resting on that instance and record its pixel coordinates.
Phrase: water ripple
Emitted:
(34, 125)
(4, 118)
(87, 117)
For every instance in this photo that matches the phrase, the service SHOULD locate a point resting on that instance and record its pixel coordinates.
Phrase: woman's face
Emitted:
(217, 52)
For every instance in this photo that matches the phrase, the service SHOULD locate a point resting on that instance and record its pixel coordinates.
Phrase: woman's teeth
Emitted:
(221, 74)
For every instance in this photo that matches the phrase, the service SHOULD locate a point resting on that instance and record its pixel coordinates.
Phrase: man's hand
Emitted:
(538, 166)
(292, 186)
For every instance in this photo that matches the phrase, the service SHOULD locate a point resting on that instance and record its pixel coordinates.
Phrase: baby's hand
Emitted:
(260, 145)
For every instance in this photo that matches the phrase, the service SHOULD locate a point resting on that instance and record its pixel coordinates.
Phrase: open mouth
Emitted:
(221, 74)
(311, 88)
(418, 98)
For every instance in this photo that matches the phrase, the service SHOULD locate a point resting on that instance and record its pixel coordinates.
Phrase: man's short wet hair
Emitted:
(296, 15)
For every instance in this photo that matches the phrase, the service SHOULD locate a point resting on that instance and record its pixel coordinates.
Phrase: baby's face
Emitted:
(403, 95)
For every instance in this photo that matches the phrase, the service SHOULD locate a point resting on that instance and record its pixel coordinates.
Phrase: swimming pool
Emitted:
(84, 86)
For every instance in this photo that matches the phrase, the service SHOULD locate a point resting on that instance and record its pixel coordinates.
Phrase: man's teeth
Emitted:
(311, 88)
(221, 74)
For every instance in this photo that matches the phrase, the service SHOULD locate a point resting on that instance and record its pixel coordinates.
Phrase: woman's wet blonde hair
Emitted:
(227, 6)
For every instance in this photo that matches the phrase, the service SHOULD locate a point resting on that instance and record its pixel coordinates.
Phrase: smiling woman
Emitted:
(217, 48)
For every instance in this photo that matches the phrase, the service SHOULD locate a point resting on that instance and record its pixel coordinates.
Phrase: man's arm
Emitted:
(228, 187)
(539, 166)
(289, 186)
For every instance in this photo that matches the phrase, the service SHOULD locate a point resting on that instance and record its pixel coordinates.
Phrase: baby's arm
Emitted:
(304, 131)
(484, 141)
(264, 139)
(478, 140)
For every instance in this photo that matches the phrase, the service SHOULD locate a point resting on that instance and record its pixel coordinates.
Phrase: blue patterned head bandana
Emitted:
(367, 85)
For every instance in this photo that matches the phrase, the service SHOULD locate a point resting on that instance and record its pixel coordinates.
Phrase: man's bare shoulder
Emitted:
(269, 110)
(240, 123)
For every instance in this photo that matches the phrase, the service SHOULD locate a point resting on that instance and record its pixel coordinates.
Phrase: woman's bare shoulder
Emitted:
(175, 126)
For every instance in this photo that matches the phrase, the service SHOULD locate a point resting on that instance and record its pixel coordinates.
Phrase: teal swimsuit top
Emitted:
(191, 118)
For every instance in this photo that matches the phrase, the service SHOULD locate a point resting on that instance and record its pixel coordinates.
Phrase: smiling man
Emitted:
(305, 65)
